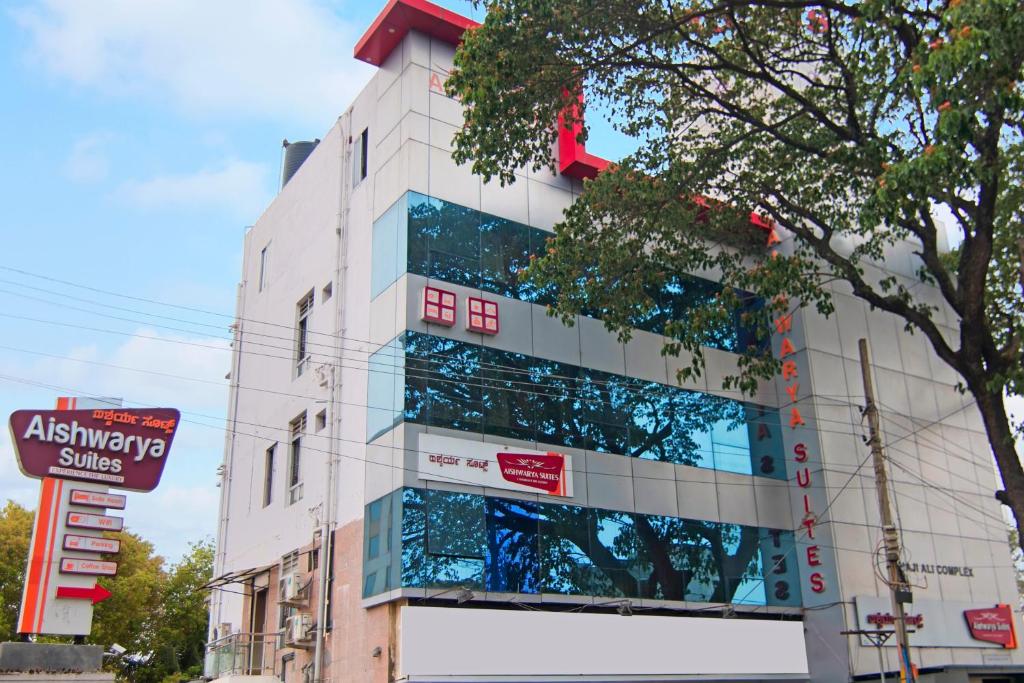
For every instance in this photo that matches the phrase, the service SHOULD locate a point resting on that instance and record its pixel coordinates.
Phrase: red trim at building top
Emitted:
(401, 16)
(573, 158)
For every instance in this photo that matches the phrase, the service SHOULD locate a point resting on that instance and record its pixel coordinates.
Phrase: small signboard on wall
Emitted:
(443, 458)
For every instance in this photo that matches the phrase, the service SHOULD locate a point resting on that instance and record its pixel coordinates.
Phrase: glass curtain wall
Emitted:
(448, 539)
(441, 240)
(442, 382)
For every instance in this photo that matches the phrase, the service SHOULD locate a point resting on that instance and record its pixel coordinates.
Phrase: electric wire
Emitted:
(842, 489)
(749, 592)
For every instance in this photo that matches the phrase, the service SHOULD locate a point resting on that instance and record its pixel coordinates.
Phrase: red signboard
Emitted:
(73, 565)
(122, 448)
(438, 306)
(544, 472)
(481, 315)
(83, 520)
(993, 625)
(97, 499)
(91, 544)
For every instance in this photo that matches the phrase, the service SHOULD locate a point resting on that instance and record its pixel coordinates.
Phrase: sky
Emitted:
(142, 139)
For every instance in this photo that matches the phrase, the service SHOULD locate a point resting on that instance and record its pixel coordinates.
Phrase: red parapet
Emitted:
(401, 16)
(573, 158)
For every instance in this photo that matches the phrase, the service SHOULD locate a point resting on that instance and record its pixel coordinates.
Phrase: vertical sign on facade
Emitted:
(805, 466)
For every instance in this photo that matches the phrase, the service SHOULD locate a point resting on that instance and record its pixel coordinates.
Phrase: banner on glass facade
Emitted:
(459, 461)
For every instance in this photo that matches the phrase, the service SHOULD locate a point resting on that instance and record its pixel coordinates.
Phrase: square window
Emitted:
(438, 306)
(481, 316)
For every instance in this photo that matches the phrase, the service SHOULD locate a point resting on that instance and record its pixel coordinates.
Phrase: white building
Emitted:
(484, 494)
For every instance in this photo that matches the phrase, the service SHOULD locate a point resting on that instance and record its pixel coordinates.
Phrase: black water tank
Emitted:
(294, 154)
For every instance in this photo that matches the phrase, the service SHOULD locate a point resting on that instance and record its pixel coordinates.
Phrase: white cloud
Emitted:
(291, 60)
(87, 162)
(240, 187)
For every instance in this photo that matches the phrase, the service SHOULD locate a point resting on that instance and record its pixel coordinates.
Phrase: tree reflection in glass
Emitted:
(515, 546)
(462, 386)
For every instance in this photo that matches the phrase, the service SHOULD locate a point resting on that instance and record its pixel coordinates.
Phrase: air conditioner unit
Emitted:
(291, 589)
(297, 630)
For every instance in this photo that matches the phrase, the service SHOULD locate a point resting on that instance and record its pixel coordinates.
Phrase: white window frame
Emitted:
(297, 428)
(303, 312)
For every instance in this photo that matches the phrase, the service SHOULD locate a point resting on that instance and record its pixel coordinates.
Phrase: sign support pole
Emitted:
(898, 589)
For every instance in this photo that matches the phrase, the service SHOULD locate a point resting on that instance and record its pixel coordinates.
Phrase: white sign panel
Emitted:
(98, 499)
(74, 565)
(85, 520)
(477, 644)
(91, 544)
(443, 458)
(935, 623)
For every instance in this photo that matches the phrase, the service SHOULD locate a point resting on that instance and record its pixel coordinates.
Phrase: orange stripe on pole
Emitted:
(35, 564)
(62, 403)
(57, 499)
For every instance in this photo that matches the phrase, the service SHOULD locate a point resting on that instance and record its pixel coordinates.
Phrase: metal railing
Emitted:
(242, 654)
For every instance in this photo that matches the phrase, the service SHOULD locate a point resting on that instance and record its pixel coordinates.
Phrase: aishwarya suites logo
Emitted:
(122, 448)
(993, 625)
(544, 472)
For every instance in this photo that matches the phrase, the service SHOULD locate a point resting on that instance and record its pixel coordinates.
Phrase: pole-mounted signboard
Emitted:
(79, 451)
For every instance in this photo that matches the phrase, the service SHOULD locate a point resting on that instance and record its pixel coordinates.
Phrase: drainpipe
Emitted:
(326, 538)
(229, 450)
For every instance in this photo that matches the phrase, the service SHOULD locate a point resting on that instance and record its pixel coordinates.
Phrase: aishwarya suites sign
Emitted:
(543, 472)
(122, 448)
(993, 625)
(460, 461)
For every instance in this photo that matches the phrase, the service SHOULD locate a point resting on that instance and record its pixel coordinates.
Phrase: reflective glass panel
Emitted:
(462, 386)
(385, 388)
(468, 247)
(505, 545)
(388, 261)
(513, 551)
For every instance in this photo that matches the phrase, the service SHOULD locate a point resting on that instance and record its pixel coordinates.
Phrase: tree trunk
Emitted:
(1000, 437)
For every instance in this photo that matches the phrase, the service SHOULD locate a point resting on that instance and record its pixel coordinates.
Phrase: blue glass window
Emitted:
(458, 385)
(438, 239)
(513, 552)
(385, 388)
(390, 233)
(380, 527)
(443, 540)
(497, 544)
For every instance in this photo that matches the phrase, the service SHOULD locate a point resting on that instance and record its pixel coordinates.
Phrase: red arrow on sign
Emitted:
(97, 593)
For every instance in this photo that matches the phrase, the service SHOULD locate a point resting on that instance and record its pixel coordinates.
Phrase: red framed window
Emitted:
(481, 316)
(438, 306)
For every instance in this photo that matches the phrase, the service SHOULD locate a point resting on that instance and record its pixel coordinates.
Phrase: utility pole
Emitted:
(899, 592)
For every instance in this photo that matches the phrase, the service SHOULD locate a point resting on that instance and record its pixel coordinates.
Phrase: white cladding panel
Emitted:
(444, 641)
